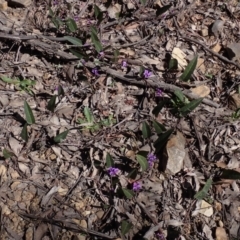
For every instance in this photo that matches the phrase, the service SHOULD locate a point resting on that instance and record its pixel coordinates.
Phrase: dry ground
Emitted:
(63, 190)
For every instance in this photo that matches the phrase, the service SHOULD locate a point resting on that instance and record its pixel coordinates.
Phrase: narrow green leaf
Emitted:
(146, 131)
(98, 14)
(57, 22)
(71, 25)
(52, 103)
(161, 10)
(28, 113)
(128, 193)
(125, 227)
(77, 53)
(9, 80)
(60, 91)
(109, 161)
(88, 115)
(173, 64)
(143, 2)
(181, 97)
(24, 133)
(190, 107)
(95, 40)
(203, 193)
(51, 14)
(162, 140)
(7, 154)
(230, 174)
(159, 107)
(159, 128)
(133, 174)
(94, 30)
(142, 160)
(189, 69)
(116, 54)
(61, 136)
(73, 40)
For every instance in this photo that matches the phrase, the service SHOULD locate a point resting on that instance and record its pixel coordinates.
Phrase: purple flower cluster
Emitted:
(95, 72)
(151, 158)
(113, 172)
(137, 186)
(147, 73)
(124, 63)
(159, 92)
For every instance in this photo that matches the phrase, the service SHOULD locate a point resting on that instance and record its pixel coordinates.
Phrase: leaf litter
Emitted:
(119, 120)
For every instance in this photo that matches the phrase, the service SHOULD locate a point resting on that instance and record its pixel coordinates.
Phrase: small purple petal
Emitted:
(95, 72)
(159, 92)
(124, 64)
(151, 157)
(113, 171)
(137, 186)
(147, 73)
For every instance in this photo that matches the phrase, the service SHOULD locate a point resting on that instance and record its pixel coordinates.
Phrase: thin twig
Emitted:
(158, 84)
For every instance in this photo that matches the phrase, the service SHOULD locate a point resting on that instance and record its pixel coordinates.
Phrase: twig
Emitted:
(224, 59)
(157, 84)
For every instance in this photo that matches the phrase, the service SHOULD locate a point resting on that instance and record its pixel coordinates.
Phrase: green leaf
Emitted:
(190, 107)
(9, 80)
(60, 137)
(51, 13)
(173, 64)
(95, 40)
(71, 25)
(203, 193)
(162, 140)
(141, 71)
(28, 113)
(88, 115)
(57, 22)
(109, 161)
(52, 103)
(143, 2)
(132, 174)
(128, 193)
(161, 10)
(98, 14)
(146, 131)
(60, 91)
(73, 40)
(159, 128)
(230, 174)
(189, 69)
(24, 133)
(116, 54)
(142, 160)
(159, 107)
(78, 54)
(7, 154)
(125, 227)
(180, 96)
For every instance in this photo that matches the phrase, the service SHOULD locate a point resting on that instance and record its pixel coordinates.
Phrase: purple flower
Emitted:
(137, 186)
(124, 63)
(159, 92)
(160, 236)
(147, 73)
(76, 18)
(101, 54)
(113, 171)
(95, 71)
(151, 159)
(55, 2)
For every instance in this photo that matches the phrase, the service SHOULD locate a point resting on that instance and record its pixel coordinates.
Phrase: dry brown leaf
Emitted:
(178, 54)
(221, 234)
